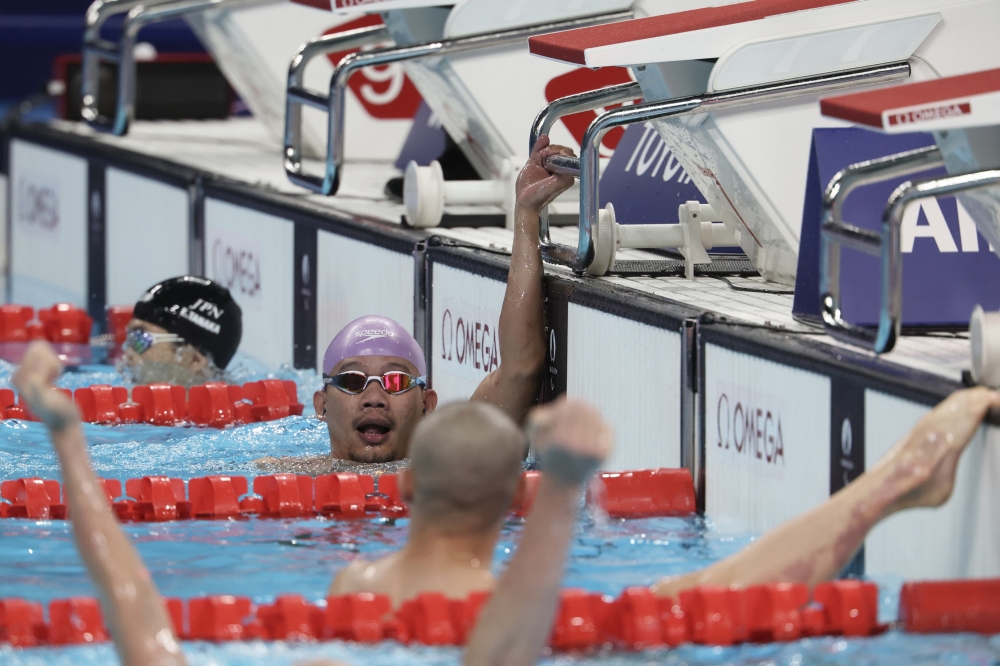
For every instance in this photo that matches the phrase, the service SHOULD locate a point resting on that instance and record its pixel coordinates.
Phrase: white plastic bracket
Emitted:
(426, 193)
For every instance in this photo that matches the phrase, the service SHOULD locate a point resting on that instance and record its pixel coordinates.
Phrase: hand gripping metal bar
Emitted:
(565, 106)
(139, 16)
(885, 244)
(580, 257)
(297, 95)
(328, 182)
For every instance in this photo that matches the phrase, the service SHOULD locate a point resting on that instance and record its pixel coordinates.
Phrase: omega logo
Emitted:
(39, 205)
(236, 268)
(469, 343)
(552, 345)
(846, 438)
(749, 430)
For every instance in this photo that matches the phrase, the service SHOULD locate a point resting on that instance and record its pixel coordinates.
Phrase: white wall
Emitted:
(631, 371)
(960, 539)
(48, 226)
(749, 485)
(252, 254)
(3, 236)
(146, 232)
(465, 331)
(355, 279)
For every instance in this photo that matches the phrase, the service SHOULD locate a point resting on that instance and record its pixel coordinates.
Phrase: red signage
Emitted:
(929, 113)
(582, 80)
(384, 90)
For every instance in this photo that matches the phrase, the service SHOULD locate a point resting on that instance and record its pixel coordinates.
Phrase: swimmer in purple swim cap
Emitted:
(375, 389)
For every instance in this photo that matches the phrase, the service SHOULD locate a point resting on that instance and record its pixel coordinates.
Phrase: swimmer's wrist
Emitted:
(567, 467)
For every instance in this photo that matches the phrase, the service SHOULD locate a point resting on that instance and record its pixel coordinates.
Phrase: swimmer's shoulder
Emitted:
(362, 576)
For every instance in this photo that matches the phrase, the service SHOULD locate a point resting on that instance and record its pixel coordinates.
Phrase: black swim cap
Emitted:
(200, 311)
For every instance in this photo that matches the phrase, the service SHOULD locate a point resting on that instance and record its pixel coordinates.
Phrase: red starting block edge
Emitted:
(636, 620)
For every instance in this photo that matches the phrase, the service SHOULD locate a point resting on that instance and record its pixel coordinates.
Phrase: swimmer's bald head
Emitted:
(465, 466)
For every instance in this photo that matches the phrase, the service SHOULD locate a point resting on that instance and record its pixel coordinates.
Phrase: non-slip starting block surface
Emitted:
(572, 45)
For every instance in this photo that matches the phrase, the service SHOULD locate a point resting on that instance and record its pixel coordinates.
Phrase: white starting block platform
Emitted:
(770, 415)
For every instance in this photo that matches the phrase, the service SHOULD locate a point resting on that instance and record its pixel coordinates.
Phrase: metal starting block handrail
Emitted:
(885, 244)
(97, 50)
(328, 182)
(297, 95)
(565, 106)
(579, 258)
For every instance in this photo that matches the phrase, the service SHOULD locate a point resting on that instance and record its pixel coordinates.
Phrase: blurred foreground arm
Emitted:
(132, 605)
(919, 471)
(514, 385)
(571, 440)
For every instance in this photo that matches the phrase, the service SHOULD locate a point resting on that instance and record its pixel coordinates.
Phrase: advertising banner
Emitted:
(948, 267)
(146, 233)
(252, 254)
(767, 428)
(465, 329)
(956, 540)
(48, 226)
(355, 279)
(632, 372)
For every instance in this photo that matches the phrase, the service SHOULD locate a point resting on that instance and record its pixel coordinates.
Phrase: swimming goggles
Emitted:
(355, 382)
(140, 340)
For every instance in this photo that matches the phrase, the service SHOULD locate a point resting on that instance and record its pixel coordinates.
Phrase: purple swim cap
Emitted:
(374, 336)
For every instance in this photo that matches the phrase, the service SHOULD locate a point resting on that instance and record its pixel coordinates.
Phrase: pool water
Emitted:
(262, 558)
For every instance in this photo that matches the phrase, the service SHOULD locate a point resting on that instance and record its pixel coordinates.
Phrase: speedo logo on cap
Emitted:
(371, 334)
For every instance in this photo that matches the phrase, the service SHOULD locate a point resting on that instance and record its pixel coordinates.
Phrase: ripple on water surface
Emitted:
(262, 558)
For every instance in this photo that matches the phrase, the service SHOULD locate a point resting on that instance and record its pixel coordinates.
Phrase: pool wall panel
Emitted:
(48, 228)
(465, 320)
(252, 254)
(356, 279)
(147, 234)
(631, 370)
(961, 538)
(4, 230)
(767, 430)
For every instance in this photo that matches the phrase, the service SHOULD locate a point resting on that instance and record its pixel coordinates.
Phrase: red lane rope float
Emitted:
(659, 492)
(636, 620)
(61, 323)
(215, 404)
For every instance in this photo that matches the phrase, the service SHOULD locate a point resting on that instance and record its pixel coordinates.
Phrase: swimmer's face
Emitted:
(164, 361)
(373, 426)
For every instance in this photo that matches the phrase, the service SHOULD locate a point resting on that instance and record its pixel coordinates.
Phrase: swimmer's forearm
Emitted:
(516, 623)
(811, 548)
(132, 605)
(514, 385)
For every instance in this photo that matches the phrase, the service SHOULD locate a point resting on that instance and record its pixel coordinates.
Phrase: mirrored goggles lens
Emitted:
(392, 382)
(140, 340)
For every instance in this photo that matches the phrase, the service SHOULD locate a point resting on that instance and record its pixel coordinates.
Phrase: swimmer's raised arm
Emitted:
(919, 471)
(132, 605)
(571, 440)
(514, 386)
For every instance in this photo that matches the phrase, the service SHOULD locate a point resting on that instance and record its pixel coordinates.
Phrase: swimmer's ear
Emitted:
(319, 404)
(430, 400)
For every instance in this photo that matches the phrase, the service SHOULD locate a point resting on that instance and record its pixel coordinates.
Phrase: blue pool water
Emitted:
(263, 558)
